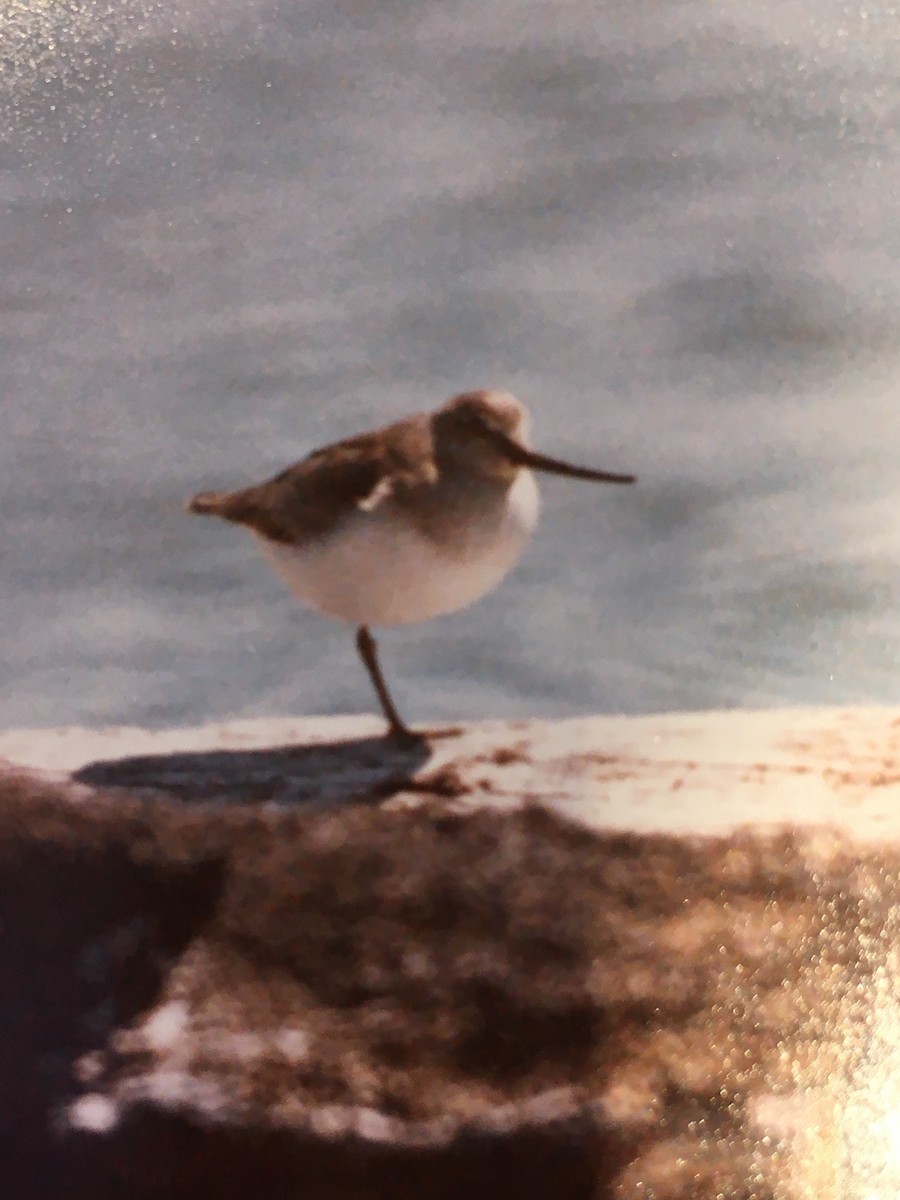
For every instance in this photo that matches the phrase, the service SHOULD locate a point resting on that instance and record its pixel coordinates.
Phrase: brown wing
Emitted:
(309, 499)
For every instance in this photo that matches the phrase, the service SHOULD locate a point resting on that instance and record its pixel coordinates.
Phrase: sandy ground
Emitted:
(702, 773)
(607, 958)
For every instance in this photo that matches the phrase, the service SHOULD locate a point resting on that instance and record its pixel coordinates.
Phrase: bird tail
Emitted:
(214, 504)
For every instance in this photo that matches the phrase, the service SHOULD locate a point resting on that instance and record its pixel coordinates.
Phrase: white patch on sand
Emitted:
(94, 1114)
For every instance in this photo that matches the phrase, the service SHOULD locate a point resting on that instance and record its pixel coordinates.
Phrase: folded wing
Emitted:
(309, 499)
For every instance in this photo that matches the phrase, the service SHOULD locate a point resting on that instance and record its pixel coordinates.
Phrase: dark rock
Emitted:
(223, 1000)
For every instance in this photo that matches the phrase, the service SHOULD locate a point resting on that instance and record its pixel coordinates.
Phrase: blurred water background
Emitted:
(233, 230)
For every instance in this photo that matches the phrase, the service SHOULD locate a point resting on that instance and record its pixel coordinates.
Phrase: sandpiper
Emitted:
(405, 523)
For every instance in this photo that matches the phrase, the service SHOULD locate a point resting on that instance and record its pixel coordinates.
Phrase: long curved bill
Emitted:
(524, 457)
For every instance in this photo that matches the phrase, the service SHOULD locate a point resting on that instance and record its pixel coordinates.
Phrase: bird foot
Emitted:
(405, 738)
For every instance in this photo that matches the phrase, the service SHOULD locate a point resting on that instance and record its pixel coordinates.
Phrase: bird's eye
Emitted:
(483, 419)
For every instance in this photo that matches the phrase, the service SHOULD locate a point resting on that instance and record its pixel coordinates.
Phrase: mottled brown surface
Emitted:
(367, 1003)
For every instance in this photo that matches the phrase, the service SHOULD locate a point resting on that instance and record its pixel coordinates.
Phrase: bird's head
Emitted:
(490, 431)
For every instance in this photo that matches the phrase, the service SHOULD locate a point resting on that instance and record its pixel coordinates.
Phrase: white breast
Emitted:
(378, 570)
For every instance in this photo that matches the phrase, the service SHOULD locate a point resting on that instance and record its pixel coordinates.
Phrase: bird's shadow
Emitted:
(358, 769)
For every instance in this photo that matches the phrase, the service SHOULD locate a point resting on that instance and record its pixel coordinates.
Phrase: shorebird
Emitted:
(405, 523)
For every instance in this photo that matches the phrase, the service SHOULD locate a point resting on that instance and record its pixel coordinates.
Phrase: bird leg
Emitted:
(368, 652)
